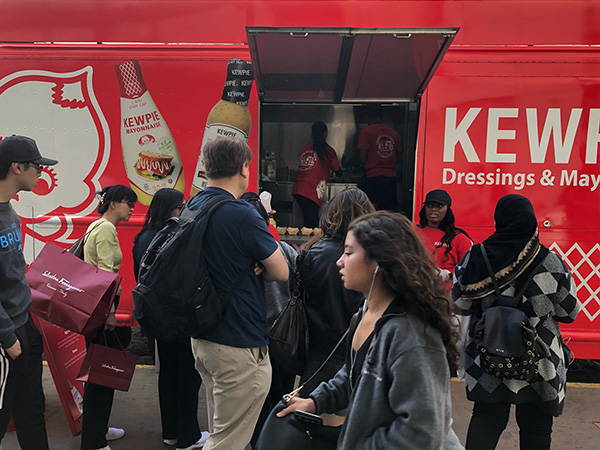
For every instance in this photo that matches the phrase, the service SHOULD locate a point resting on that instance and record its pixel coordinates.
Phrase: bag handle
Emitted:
(116, 335)
(297, 290)
(321, 367)
(83, 240)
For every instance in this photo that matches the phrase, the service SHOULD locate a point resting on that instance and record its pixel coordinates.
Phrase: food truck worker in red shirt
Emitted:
(379, 147)
(447, 243)
(317, 159)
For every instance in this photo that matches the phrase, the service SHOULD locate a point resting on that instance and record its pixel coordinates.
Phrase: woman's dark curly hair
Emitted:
(409, 272)
(446, 225)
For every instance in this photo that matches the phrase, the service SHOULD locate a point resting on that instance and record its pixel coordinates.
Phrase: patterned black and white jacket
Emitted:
(549, 298)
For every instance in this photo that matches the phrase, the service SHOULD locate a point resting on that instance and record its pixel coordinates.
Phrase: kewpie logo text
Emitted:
(61, 281)
(557, 130)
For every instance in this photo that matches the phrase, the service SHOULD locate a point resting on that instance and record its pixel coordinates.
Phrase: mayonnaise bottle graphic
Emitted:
(150, 154)
(230, 116)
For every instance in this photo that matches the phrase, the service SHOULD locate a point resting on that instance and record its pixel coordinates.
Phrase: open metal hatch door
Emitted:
(345, 65)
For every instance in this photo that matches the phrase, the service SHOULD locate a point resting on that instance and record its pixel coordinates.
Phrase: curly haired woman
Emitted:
(395, 384)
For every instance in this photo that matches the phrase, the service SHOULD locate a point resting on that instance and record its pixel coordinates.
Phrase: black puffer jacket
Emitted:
(329, 307)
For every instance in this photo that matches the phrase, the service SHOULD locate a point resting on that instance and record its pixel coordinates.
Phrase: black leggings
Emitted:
(98, 400)
(490, 419)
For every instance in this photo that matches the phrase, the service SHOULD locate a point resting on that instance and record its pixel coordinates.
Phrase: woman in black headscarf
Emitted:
(520, 263)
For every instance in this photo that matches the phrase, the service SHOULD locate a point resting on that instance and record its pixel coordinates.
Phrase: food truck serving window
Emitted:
(345, 65)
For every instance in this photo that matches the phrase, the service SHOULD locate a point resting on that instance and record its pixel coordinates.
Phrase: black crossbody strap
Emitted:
(489, 268)
(297, 290)
(322, 366)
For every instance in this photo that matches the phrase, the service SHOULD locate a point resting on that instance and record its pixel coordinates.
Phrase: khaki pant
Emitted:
(237, 381)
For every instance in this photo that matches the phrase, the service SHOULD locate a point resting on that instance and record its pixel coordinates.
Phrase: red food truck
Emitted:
(488, 98)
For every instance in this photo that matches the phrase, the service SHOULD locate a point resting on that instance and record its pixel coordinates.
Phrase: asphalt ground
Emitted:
(137, 411)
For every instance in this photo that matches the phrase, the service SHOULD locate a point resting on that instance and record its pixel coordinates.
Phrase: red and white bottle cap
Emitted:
(130, 78)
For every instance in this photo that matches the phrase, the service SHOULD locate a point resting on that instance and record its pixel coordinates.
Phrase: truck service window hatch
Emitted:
(345, 65)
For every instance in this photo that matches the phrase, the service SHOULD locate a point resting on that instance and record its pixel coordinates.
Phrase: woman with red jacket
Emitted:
(447, 243)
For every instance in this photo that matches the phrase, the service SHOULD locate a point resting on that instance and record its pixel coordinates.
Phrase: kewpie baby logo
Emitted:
(59, 111)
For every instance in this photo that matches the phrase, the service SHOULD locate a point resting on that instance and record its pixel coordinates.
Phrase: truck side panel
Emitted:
(68, 99)
(526, 122)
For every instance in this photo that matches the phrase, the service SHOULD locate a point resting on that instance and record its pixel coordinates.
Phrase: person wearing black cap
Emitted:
(21, 392)
(447, 243)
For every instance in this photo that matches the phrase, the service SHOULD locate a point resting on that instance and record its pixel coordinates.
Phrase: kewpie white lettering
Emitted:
(538, 146)
(593, 137)
(494, 134)
(454, 134)
(562, 135)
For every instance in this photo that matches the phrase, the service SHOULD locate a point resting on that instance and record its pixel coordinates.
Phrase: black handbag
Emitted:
(296, 431)
(299, 431)
(289, 336)
(509, 347)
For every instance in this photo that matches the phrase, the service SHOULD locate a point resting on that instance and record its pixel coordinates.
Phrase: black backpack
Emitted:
(175, 297)
(508, 344)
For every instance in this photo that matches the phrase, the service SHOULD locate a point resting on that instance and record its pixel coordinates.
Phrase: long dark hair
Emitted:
(164, 201)
(319, 139)
(340, 211)
(446, 225)
(409, 272)
(116, 193)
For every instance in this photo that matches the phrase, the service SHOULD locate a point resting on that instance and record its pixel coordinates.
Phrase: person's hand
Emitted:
(445, 275)
(259, 269)
(14, 351)
(298, 404)
(111, 322)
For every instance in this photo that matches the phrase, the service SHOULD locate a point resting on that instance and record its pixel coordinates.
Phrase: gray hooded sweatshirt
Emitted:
(402, 398)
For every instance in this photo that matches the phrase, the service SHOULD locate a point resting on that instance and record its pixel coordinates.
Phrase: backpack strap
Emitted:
(208, 209)
(489, 269)
(518, 294)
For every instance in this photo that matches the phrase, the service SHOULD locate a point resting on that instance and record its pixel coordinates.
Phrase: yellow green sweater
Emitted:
(102, 246)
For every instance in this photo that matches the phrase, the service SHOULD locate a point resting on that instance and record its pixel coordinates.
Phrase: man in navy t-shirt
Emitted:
(233, 358)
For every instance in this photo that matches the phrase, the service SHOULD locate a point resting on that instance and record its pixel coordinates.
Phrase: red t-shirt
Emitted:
(382, 144)
(311, 171)
(432, 239)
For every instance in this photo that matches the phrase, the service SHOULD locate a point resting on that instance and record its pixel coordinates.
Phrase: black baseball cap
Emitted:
(438, 196)
(22, 149)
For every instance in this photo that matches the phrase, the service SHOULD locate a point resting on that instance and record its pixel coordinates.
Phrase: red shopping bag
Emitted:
(109, 367)
(69, 292)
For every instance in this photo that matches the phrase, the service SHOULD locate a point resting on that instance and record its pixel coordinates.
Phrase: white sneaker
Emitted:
(199, 444)
(104, 448)
(114, 433)
(170, 442)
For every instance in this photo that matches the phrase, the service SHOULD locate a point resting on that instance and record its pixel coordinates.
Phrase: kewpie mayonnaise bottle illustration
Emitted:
(230, 116)
(150, 154)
